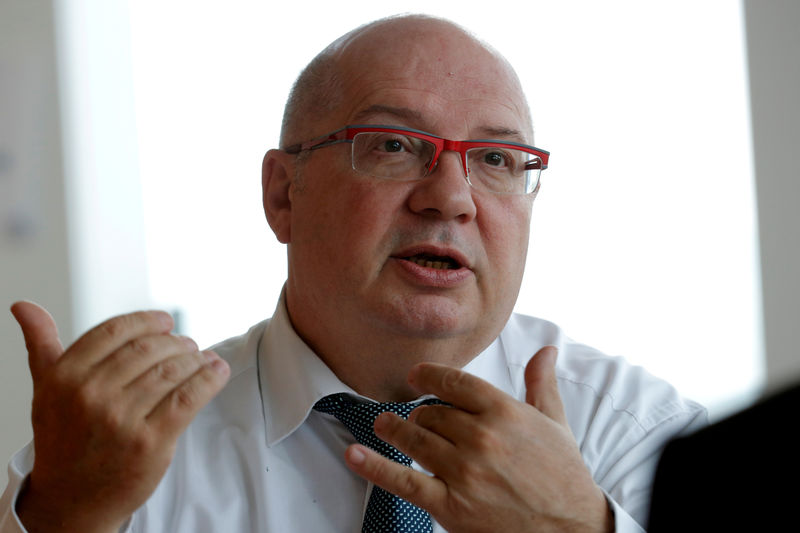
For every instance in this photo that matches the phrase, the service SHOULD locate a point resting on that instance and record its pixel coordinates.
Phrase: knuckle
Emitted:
(468, 471)
(185, 397)
(121, 325)
(168, 370)
(113, 420)
(91, 405)
(415, 443)
(485, 440)
(140, 346)
(451, 380)
(377, 468)
(407, 484)
(430, 416)
(505, 411)
(113, 327)
(87, 397)
(199, 359)
(143, 442)
(422, 415)
(389, 426)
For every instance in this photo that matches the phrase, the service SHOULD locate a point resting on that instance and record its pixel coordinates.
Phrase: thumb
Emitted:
(41, 336)
(541, 385)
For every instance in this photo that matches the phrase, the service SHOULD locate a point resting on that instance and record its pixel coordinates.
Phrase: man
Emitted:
(405, 254)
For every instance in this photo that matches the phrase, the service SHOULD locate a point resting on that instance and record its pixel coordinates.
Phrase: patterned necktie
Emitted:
(386, 513)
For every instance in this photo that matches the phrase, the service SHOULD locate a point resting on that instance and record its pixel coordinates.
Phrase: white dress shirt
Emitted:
(258, 458)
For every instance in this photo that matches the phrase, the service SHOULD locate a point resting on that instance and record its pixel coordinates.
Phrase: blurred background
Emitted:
(131, 138)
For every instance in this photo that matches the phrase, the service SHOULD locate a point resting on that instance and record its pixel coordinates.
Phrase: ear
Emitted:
(276, 179)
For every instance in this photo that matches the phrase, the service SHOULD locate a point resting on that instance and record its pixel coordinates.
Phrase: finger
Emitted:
(452, 424)
(424, 446)
(173, 414)
(41, 336)
(454, 386)
(111, 335)
(136, 357)
(165, 376)
(542, 386)
(420, 489)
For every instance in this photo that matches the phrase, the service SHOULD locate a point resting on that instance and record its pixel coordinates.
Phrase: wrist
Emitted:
(610, 518)
(42, 513)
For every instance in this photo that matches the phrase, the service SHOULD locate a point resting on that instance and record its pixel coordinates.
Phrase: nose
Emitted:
(445, 193)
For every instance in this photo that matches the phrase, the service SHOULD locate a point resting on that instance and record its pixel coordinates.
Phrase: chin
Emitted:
(432, 318)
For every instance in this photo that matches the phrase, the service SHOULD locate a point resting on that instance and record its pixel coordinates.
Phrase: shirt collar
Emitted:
(291, 377)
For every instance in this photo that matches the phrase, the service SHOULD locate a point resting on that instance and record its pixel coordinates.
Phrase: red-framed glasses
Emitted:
(396, 153)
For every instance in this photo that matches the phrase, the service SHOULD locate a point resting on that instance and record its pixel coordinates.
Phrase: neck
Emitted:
(382, 374)
(379, 369)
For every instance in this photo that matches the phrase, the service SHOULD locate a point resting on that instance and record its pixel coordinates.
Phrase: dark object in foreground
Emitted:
(739, 474)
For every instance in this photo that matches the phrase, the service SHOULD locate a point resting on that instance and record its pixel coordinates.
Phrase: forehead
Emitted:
(449, 83)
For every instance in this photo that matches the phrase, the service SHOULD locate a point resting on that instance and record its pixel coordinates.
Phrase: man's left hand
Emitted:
(498, 464)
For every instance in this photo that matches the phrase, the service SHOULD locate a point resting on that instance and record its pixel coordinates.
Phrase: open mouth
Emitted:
(434, 261)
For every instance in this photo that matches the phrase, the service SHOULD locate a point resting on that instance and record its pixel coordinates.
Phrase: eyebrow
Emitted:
(405, 113)
(379, 109)
(502, 133)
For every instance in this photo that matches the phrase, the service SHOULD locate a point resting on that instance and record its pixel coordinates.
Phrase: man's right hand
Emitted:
(107, 413)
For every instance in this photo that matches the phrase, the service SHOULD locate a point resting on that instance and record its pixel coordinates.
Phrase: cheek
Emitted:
(506, 231)
(347, 225)
(362, 211)
(505, 237)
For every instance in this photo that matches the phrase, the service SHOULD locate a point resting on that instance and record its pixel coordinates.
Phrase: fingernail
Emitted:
(220, 366)
(355, 455)
(165, 319)
(555, 351)
(381, 421)
(189, 342)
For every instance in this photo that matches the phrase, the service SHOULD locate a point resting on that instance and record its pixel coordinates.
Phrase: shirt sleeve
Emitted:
(627, 477)
(629, 480)
(622, 418)
(18, 469)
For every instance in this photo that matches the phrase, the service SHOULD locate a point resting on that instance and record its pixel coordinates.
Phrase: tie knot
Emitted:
(359, 417)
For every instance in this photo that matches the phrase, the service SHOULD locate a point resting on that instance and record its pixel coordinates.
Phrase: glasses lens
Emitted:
(392, 155)
(503, 169)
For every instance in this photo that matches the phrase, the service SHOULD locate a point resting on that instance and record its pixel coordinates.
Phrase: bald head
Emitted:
(416, 43)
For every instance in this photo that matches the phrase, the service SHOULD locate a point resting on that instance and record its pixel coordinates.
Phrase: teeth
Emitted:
(440, 265)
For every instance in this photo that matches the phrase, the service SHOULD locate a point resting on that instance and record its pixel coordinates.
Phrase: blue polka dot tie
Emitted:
(386, 513)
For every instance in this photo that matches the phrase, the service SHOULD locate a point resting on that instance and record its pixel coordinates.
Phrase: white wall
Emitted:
(34, 262)
(104, 196)
(773, 30)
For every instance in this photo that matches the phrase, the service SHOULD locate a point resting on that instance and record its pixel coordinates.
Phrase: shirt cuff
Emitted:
(623, 523)
(18, 469)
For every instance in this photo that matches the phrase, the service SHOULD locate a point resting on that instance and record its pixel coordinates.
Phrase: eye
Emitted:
(393, 145)
(495, 159)
(390, 143)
